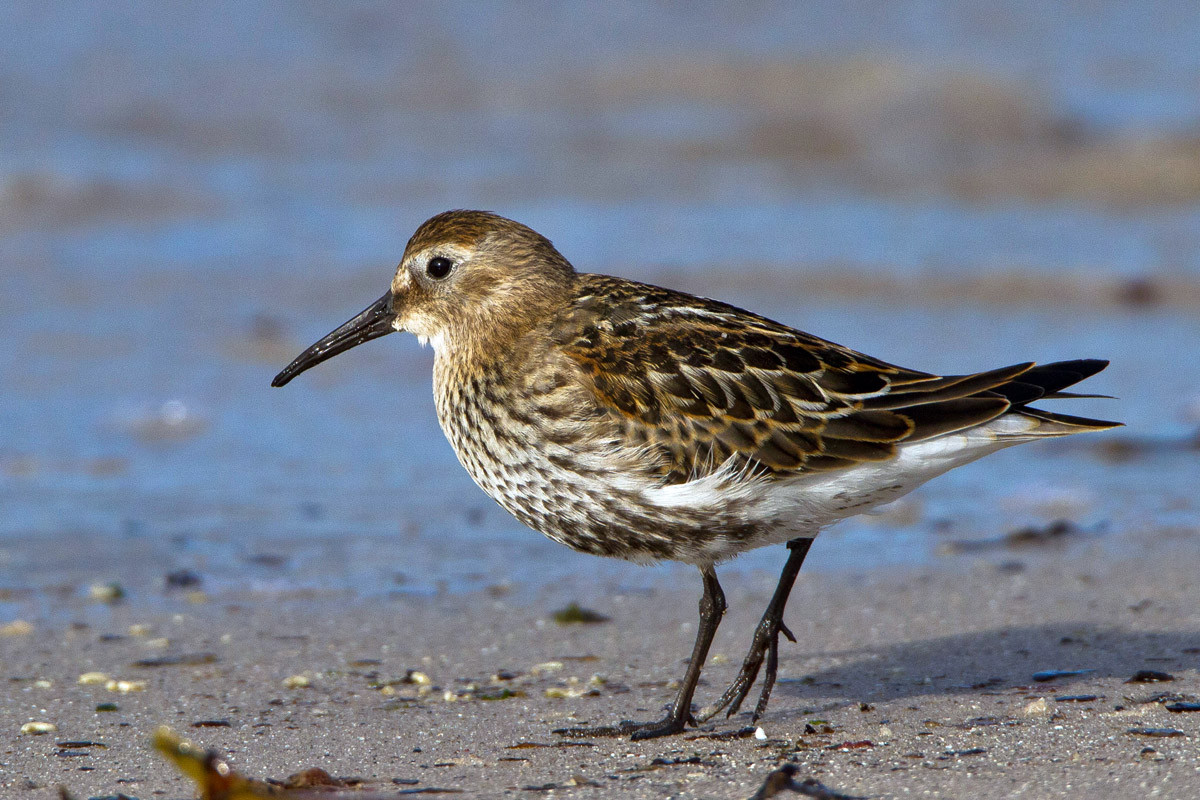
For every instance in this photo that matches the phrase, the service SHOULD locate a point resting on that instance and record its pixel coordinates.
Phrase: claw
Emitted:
(622, 728)
(764, 696)
(636, 731)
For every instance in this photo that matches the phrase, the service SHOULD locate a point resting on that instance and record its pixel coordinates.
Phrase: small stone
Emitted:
(574, 614)
(1052, 674)
(139, 629)
(43, 683)
(18, 627)
(1036, 708)
(92, 679)
(1150, 676)
(296, 682)
(1162, 733)
(38, 728)
(760, 734)
(181, 579)
(106, 592)
(1182, 706)
(125, 687)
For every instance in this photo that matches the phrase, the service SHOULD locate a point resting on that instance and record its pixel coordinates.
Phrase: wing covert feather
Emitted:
(699, 382)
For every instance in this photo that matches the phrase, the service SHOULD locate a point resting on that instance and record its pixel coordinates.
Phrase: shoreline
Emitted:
(904, 681)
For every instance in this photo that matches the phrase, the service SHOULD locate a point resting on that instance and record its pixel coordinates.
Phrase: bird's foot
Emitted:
(636, 731)
(765, 646)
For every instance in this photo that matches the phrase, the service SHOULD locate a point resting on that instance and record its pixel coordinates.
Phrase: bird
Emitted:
(628, 420)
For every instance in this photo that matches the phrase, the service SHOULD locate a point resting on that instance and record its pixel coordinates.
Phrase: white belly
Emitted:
(799, 507)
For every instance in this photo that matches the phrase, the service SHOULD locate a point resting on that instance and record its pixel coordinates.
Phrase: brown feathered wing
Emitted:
(698, 382)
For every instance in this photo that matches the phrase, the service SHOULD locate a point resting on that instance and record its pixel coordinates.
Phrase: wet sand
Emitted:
(903, 683)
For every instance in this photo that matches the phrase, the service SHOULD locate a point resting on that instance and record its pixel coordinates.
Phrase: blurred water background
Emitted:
(192, 193)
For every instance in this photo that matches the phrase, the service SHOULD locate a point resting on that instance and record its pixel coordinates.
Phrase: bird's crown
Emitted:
(475, 273)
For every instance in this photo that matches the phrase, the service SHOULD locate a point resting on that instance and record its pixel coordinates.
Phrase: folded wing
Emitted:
(697, 383)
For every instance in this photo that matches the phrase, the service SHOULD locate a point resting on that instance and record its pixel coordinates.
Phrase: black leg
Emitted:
(712, 608)
(765, 643)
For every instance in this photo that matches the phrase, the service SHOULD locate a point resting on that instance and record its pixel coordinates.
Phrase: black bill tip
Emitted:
(375, 321)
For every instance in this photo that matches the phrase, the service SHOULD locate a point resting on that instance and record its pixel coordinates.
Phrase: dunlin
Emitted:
(627, 420)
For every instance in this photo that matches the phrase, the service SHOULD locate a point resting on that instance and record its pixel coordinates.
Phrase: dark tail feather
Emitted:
(1048, 381)
(1083, 423)
(1053, 378)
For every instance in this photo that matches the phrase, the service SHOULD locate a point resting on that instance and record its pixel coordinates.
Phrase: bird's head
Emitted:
(467, 277)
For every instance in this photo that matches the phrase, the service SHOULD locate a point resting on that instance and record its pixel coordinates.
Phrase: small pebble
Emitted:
(1181, 706)
(760, 734)
(1150, 676)
(1037, 707)
(106, 592)
(18, 627)
(1156, 732)
(296, 682)
(125, 687)
(1051, 674)
(38, 728)
(181, 579)
(574, 614)
(92, 679)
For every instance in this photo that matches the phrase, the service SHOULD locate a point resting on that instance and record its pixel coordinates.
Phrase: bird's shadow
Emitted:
(990, 660)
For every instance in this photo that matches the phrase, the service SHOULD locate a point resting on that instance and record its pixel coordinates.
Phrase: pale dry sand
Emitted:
(916, 683)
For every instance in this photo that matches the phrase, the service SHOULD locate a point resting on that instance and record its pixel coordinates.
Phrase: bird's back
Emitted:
(703, 382)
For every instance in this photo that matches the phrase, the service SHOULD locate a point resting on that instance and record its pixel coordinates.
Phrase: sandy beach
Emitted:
(904, 683)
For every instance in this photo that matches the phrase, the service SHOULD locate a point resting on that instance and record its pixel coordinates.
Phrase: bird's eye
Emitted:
(438, 267)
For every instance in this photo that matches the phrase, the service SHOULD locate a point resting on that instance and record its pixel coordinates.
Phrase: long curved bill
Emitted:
(373, 322)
